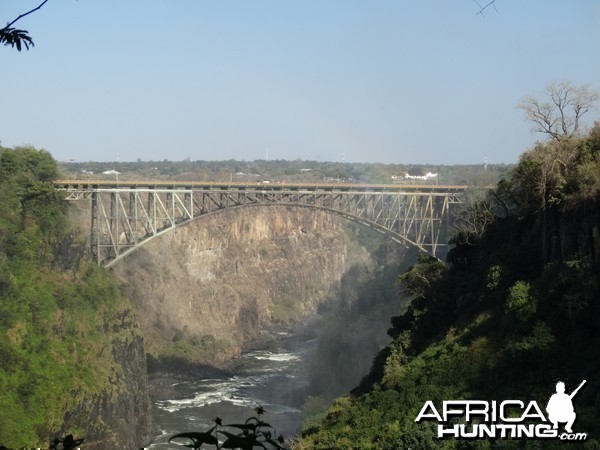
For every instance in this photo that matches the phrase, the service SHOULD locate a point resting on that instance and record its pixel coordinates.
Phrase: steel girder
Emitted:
(123, 218)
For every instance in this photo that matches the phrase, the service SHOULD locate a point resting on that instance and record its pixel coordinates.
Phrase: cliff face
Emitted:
(118, 414)
(207, 289)
(577, 232)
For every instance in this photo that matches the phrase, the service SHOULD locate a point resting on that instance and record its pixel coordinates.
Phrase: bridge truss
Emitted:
(126, 215)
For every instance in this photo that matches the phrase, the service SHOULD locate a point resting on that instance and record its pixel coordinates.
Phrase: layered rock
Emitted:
(205, 290)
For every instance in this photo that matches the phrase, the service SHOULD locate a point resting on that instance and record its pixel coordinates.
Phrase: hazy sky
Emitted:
(393, 81)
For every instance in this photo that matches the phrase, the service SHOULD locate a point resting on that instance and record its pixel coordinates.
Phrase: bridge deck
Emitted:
(209, 185)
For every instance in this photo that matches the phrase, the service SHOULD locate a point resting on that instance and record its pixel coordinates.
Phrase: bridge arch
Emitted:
(129, 214)
(403, 240)
(396, 237)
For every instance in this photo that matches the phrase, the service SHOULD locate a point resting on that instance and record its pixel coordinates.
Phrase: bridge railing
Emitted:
(89, 185)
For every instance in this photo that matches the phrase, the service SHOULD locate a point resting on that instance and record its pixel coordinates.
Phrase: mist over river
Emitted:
(275, 378)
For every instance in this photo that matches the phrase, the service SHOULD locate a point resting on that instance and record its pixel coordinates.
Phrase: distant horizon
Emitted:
(115, 162)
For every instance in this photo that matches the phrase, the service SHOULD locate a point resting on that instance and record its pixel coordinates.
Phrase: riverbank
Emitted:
(270, 377)
(165, 372)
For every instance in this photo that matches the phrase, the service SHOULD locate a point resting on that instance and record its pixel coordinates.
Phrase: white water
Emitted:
(270, 378)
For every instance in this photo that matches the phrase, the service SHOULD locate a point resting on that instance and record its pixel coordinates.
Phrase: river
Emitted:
(273, 378)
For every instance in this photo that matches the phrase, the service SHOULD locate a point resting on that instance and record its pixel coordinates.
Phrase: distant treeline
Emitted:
(286, 171)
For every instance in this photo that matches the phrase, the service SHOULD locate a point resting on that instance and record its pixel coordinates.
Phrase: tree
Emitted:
(559, 116)
(16, 37)
(472, 218)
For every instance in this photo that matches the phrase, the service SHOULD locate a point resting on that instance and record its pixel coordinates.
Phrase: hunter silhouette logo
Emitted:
(507, 419)
(560, 407)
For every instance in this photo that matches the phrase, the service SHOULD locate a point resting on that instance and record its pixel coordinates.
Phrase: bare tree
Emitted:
(471, 223)
(15, 37)
(559, 116)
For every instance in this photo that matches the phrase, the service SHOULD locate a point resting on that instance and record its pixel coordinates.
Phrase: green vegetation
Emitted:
(58, 312)
(195, 348)
(514, 311)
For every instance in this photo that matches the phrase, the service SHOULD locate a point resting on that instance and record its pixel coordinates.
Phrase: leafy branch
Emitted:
(66, 443)
(482, 8)
(254, 433)
(16, 37)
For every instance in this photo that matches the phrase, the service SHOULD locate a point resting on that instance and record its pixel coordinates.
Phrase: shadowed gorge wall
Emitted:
(209, 288)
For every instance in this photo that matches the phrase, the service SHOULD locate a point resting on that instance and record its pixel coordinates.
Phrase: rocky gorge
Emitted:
(207, 290)
(78, 341)
(228, 282)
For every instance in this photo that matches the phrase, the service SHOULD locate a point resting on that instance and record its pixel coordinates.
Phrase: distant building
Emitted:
(427, 176)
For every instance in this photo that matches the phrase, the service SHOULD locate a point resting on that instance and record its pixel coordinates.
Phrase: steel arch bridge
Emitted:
(127, 214)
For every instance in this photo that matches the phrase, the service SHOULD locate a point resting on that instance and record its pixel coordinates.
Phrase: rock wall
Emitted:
(576, 233)
(207, 289)
(119, 414)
